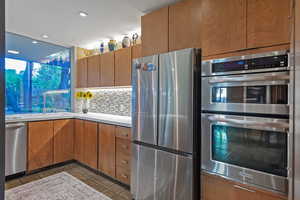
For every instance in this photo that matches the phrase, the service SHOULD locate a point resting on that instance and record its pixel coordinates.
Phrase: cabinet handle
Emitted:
(124, 134)
(242, 188)
(124, 176)
(124, 161)
(124, 146)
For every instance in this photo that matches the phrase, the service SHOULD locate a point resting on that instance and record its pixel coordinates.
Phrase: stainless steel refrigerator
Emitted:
(166, 112)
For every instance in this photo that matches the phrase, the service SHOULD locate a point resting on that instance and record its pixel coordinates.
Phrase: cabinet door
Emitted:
(223, 26)
(63, 140)
(155, 32)
(79, 140)
(81, 73)
(123, 67)
(240, 192)
(136, 51)
(107, 149)
(185, 25)
(93, 71)
(215, 188)
(268, 22)
(40, 144)
(107, 72)
(90, 144)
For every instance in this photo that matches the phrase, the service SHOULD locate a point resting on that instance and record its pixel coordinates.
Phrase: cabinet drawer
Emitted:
(123, 175)
(123, 160)
(123, 146)
(122, 132)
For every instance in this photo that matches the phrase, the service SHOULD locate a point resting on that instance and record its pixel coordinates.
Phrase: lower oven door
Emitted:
(251, 150)
(261, 93)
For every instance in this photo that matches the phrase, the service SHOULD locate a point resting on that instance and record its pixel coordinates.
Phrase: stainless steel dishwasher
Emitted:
(15, 148)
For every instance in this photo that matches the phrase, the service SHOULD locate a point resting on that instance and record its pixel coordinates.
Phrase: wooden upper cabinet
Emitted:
(40, 145)
(136, 51)
(82, 73)
(155, 32)
(185, 25)
(107, 72)
(268, 22)
(93, 71)
(223, 26)
(107, 149)
(91, 144)
(79, 140)
(63, 140)
(123, 67)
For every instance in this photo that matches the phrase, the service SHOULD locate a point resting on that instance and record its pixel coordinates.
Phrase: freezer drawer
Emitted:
(15, 148)
(145, 99)
(161, 175)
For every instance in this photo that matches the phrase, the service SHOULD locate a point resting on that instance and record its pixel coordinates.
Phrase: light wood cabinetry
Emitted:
(93, 71)
(268, 22)
(107, 151)
(214, 188)
(136, 51)
(91, 144)
(79, 140)
(185, 25)
(123, 154)
(123, 67)
(155, 32)
(107, 72)
(223, 26)
(82, 73)
(63, 140)
(40, 144)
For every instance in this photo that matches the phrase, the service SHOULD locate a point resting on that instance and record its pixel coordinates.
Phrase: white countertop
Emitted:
(96, 117)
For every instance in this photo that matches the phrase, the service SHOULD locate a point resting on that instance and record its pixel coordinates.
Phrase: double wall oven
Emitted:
(245, 119)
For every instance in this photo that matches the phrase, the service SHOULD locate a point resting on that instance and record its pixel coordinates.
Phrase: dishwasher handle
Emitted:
(15, 125)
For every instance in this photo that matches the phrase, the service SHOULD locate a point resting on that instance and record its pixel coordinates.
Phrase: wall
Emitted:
(116, 101)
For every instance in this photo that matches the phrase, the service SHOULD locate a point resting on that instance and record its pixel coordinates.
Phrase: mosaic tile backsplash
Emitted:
(115, 101)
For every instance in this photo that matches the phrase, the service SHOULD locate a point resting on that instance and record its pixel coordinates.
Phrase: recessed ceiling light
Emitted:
(83, 14)
(34, 42)
(13, 52)
(45, 36)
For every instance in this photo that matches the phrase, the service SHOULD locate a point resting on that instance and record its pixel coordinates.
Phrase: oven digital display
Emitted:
(260, 150)
(251, 64)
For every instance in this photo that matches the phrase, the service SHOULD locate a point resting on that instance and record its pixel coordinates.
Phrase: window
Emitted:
(38, 85)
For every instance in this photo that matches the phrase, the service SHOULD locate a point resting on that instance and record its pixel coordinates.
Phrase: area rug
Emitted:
(61, 186)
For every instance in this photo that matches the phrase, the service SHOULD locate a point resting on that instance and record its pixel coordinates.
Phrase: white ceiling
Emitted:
(60, 20)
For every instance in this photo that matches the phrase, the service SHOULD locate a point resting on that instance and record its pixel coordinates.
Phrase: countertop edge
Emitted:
(88, 118)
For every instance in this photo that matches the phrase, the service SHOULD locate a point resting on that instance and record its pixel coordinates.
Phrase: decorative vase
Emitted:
(102, 48)
(85, 106)
(126, 42)
(134, 38)
(112, 44)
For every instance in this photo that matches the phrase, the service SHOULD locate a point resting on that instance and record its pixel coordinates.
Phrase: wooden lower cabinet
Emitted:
(90, 144)
(216, 188)
(107, 150)
(79, 140)
(123, 160)
(40, 145)
(63, 140)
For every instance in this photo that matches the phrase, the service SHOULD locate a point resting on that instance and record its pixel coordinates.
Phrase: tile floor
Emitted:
(101, 184)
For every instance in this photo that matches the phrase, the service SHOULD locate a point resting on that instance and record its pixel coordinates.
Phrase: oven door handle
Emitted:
(272, 125)
(273, 77)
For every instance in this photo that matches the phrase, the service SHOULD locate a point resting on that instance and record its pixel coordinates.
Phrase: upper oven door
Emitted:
(247, 149)
(263, 93)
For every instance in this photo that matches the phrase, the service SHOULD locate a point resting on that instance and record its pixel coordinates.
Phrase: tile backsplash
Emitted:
(115, 101)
